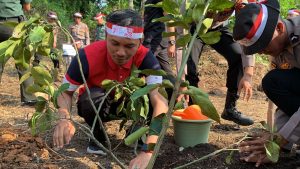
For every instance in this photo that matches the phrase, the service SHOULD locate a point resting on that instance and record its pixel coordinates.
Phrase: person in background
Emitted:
(240, 66)
(260, 29)
(52, 18)
(12, 11)
(79, 31)
(100, 28)
(293, 12)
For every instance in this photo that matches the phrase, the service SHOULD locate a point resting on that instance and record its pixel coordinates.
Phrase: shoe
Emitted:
(234, 115)
(94, 149)
(231, 113)
(28, 103)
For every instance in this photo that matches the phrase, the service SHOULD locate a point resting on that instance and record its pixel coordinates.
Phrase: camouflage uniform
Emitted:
(80, 32)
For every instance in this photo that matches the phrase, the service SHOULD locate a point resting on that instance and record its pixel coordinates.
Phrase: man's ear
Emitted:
(280, 27)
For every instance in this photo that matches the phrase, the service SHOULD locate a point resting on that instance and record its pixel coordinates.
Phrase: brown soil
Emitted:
(19, 149)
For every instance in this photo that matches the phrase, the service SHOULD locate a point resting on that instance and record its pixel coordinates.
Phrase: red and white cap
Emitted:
(131, 32)
(98, 16)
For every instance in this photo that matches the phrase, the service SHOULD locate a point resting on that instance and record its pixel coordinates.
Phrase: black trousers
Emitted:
(5, 33)
(107, 112)
(282, 86)
(229, 49)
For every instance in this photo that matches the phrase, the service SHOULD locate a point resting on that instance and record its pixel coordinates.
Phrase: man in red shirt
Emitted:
(110, 59)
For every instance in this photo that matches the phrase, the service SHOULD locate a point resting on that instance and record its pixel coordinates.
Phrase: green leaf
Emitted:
(163, 92)
(62, 88)
(34, 88)
(37, 34)
(25, 77)
(141, 111)
(265, 125)
(228, 159)
(211, 37)
(163, 19)
(107, 84)
(220, 5)
(167, 84)
(179, 105)
(143, 91)
(207, 22)
(43, 50)
(170, 7)
(138, 81)
(41, 76)
(157, 5)
(184, 83)
(11, 49)
(132, 138)
(168, 34)
(178, 24)
(40, 104)
(156, 124)
(32, 20)
(272, 150)
(10, 24)
(183, 40)
(118, 93)
(19, 30)
(146, 104)
(3, 47)
(197, 12)
(48, 39)
(148, 72)
(121, 106)
(201, 99)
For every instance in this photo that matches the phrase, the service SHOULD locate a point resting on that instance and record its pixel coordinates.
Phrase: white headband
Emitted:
(131, 32)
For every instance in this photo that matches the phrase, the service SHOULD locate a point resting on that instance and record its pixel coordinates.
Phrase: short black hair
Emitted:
(126, 17)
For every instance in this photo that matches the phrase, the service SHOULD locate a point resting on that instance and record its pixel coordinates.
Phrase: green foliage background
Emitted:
(285, 5)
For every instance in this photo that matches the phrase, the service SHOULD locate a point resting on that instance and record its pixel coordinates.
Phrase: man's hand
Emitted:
(185, 96)
(254, 150)
(245, 85)
(171, 50)
(141, 161)
(63, 133)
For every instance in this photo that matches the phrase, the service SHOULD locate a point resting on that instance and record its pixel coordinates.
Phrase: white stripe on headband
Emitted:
(259, 31)
(126, 32)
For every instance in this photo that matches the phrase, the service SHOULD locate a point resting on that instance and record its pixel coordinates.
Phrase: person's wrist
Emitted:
(63, 114)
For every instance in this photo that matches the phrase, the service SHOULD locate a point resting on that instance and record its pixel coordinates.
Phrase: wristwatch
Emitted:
(148, 148)
(172, 42)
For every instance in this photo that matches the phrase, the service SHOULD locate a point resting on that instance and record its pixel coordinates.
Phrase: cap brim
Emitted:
(266, 37)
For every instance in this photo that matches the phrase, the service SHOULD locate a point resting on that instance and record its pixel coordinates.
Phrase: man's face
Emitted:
(122, 49)
(77, 20)
(277, 44)
(291, 16)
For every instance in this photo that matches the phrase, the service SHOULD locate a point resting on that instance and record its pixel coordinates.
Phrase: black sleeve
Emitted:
(150, 62)
(74, 71)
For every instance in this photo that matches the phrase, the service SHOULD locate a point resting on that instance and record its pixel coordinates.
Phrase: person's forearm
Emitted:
(64, 102)
(249, 71)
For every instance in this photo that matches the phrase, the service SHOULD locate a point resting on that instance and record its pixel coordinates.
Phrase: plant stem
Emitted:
(176, 89)
(90, 135)
(214, 153)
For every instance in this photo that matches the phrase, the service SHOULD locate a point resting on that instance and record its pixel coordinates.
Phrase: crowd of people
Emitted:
(123, 39)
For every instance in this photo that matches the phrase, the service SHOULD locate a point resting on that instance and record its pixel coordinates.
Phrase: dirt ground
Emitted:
(19, 149)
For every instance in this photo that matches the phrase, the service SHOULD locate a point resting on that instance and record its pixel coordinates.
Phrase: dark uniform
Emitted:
(282, 86)
(11, 10)
(233, 54)
(153, 35)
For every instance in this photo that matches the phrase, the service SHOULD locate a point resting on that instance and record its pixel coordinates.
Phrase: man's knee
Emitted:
(269, 82)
